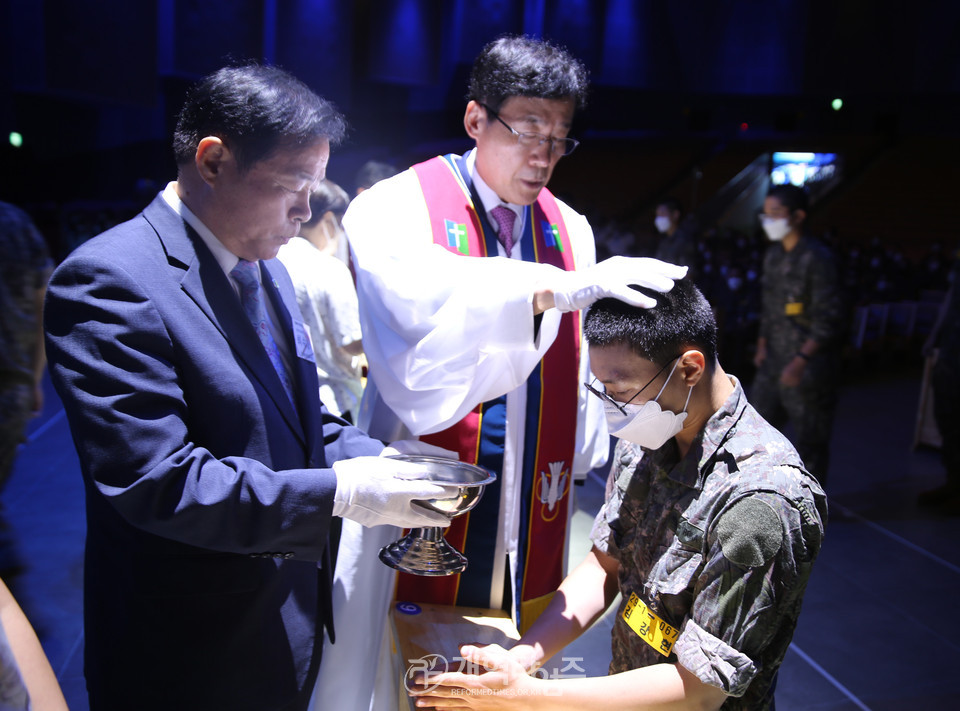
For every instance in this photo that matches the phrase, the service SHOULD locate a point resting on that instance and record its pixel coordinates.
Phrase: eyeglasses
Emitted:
(765, 218)
(558, 146)
(602, 394)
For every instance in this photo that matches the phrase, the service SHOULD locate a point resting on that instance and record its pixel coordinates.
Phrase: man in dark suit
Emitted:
(212, 471)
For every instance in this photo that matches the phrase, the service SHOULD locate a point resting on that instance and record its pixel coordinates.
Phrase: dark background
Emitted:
(93, 87)
(685, 94)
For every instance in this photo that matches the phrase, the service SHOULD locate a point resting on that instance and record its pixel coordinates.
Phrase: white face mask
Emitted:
(647, 425)
(662, 223)
(776, 229)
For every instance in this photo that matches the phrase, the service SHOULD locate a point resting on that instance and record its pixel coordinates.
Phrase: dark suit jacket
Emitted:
(209, 496)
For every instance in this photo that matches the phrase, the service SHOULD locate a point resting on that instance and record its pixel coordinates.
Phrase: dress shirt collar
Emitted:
(225, 258)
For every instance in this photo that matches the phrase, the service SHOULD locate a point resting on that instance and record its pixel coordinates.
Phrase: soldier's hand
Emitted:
(760, 354)
(793, 373)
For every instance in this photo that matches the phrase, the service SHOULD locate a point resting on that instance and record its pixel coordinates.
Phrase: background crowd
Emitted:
(727, 264)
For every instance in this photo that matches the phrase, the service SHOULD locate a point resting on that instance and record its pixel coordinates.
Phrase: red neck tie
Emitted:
(505, 218)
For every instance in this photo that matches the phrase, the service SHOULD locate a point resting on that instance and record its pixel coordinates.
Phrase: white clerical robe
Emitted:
(442, 333)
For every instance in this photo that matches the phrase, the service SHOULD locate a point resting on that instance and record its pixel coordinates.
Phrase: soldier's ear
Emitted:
(799, 216)
(693, 364)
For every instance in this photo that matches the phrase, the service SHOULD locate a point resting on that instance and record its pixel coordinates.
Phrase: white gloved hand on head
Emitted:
(375, 491)
(612, 278)
(415, 446)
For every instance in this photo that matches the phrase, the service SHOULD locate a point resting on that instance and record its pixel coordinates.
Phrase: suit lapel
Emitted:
(203, 280)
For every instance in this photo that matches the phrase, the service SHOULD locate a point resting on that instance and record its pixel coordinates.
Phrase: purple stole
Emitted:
(551, 416)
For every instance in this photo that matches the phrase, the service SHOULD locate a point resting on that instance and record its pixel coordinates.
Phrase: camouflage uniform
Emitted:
(24, 267)
(719, 545)
(946, 380)
(801, 299)
(681, 248)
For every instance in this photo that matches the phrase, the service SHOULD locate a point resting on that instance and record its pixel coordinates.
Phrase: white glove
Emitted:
(374, 491)
(415, 446)
(612, 278)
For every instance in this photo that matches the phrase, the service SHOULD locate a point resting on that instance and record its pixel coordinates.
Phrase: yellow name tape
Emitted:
(651, 629)
(794, 308)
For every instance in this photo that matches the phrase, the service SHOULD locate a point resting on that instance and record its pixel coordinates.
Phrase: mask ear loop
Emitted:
(689, 392)
(675, 363)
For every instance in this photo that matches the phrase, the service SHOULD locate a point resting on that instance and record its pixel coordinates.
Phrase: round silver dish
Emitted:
(424, 551)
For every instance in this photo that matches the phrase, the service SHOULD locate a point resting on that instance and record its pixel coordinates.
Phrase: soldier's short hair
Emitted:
(681, 319)
(672, 204)
(792, 197)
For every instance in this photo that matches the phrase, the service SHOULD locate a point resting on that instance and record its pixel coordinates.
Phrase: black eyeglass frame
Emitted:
(569, 144)
(602, 394)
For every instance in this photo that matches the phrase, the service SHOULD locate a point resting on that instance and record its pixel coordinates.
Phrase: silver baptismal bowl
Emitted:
(424, 551)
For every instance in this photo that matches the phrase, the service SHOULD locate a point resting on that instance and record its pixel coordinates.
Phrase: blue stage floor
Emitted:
(879, 630)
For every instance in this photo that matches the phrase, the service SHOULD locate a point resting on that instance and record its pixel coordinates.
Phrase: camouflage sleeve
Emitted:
(603, 534)
(769, 311)
(757, 562)
(827, 316)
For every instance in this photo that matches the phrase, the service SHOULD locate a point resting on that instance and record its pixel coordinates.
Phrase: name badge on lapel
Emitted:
(304, 346)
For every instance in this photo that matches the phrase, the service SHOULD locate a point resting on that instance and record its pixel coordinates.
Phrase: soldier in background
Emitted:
(802, 324)
(678, 237)
(944, 340)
